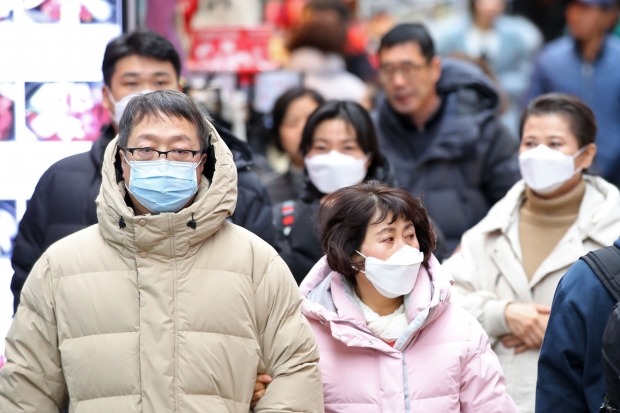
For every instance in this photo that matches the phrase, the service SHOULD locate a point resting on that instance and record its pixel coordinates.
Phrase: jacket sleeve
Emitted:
(253, 211)
(288, 346)
(470, 291)
(33, 380)
(501, 164)
(570, 367)
(30, 239)
(483, 387)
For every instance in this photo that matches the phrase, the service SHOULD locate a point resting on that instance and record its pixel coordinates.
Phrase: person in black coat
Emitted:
(439, 126)
(340, 148)
(63, 201)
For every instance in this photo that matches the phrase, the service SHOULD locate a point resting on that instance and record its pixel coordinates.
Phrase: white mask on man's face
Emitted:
(119, 107)
(334, 170)
(544, 169)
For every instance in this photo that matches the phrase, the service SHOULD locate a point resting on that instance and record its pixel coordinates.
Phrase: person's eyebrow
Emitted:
(136, 74)
(175, 138)
(161, 73)
(386, 230)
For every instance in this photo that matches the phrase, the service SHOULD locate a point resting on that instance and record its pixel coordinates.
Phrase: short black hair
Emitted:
(170, 103)
(357, 117)
(579, 116)
(409, 33)
(141, 43)
(280, 107)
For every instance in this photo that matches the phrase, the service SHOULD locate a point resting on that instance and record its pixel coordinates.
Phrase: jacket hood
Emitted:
(473, 89)
(328, 298)
(598, 214)
(169, 234)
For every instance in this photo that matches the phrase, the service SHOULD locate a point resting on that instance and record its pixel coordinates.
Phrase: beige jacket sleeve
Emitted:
(288, 346)
(473, 286)
(33, 380)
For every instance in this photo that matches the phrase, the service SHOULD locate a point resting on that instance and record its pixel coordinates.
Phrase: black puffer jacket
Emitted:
(63, 202)
(296, 226)
(463, 161)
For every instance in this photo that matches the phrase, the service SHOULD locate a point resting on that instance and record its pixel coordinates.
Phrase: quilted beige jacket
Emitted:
(156, 316)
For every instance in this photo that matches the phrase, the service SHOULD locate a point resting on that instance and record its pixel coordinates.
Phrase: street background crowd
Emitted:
(500, 116)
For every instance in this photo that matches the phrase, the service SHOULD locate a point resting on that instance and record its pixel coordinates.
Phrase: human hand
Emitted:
(512, 341)
(260, 387)
(527, 322)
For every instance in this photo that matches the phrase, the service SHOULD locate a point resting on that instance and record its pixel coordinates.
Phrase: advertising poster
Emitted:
(50, 101)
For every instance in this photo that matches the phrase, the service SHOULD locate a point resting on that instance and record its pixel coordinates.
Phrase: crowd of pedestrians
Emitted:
(420, 250)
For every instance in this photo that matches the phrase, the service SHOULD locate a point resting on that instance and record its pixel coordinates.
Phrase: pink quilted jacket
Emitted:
(441, 363)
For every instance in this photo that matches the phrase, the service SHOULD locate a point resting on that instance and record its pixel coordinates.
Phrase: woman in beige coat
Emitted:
(509, 264)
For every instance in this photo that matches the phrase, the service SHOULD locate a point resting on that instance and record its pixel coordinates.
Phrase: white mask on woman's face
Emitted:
(334, 170)
(544, 170)
(397, 275)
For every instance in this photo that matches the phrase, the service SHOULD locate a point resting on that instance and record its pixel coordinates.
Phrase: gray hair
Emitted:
(170, 103)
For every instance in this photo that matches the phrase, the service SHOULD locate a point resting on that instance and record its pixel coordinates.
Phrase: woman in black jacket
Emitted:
(340, 148)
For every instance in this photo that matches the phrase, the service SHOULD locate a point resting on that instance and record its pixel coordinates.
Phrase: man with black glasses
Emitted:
(163, 305)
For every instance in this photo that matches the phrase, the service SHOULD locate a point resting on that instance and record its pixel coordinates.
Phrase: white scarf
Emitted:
(388, 327)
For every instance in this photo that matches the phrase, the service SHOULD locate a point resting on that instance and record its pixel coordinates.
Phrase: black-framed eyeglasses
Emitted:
(150, 154)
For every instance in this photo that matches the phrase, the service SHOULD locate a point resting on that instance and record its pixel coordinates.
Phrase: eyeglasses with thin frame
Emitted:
(408, 70)
(150, 154)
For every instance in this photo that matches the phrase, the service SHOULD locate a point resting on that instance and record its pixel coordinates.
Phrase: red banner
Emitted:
(231, 49)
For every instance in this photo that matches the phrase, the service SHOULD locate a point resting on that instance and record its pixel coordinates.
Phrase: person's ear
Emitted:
(435, 66)
(586, 158)
(105, 98)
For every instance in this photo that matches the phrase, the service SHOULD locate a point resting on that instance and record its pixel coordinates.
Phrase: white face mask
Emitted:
(395, 276)
(334, 170)
(119, 107)
(544, 170)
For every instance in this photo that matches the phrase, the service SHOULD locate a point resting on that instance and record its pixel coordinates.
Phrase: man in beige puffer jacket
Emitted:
(163, 306)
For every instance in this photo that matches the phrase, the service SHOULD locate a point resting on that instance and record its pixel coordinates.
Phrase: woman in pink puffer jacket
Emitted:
(390, 340)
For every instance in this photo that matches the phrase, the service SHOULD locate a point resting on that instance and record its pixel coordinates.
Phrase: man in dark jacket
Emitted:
(439, 127)
(571, 376)
(63, 201)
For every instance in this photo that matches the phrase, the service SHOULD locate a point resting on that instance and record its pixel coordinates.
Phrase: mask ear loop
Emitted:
(580, 151)
(111, 96)
(577, 155)
(357, 269)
